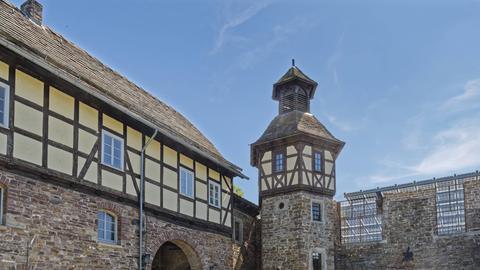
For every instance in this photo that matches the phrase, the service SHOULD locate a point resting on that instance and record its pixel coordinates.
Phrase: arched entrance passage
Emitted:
(176, 255)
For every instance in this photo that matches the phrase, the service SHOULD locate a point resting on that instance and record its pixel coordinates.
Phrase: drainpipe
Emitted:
(141, 199)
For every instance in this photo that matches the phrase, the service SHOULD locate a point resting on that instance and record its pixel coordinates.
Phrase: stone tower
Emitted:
(295, 158)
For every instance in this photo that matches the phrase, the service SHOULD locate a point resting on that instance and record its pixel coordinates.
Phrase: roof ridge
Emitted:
(63, 53)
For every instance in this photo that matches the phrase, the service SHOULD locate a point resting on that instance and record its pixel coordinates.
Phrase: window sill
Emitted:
(219, 207)
(184, 196)
(109, 245)
(121, 170)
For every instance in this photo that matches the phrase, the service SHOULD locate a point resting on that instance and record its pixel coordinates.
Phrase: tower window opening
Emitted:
(279, 162)
(294, 99)
(317, 162)
(316, 211)
(317, 261)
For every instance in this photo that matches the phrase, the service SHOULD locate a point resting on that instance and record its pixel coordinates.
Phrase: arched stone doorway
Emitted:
(176, 255)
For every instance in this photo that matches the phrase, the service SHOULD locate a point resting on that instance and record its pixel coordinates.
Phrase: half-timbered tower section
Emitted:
(72, 132)
(295, 158)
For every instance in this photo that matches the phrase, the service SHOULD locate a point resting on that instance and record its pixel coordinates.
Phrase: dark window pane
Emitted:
(316, 212)
(317, 261)
(237, 231)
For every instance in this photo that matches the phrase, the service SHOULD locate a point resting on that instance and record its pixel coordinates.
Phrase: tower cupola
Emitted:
(294, 91)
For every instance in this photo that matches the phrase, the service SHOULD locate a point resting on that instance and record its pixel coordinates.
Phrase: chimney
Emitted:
(33, 10)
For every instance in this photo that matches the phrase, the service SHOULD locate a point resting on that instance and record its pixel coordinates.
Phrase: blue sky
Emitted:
(399, 81)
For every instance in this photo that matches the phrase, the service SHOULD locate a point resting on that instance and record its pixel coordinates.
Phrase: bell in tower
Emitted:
(296, 157)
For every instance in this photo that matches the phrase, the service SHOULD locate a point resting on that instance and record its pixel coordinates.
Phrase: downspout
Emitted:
(141, 199)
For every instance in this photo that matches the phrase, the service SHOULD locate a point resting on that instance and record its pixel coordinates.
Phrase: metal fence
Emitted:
(450, 207)
(361, 214)
(361, 220)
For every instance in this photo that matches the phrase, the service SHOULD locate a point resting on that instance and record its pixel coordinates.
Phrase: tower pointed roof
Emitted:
(293, 74)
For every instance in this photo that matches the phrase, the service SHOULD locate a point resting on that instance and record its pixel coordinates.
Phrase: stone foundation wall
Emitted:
(289, 236)
(409, 221)
(64, 224)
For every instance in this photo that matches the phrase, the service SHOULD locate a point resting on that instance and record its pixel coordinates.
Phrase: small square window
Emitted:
(279, 162)
(4, 104)
(112, 150)
(317, 161)
(214, 192)
(316, 211)
(186, 182)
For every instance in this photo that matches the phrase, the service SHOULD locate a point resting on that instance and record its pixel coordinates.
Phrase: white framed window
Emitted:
(112, 150)
(238, 230)
(186, 182)
(214, 192)
(317, 161)
(279, 162)
(107, 227)
(4, 104)
(2, 198)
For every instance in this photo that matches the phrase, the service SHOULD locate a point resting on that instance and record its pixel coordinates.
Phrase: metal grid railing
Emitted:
(450, 207)
(361, 220)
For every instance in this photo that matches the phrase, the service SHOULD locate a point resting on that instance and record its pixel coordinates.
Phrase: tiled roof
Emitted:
(64, 55)
(295, 73)
(293, 123)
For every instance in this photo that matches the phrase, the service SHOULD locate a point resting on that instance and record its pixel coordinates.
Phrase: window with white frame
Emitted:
(112, 150)
(107, 227)
(279, 162)
(317, 161)
(450, 207)
(2, 198)
(316, 211)
(214, 192)
(4, 104)
(186, 182)
(238, 230)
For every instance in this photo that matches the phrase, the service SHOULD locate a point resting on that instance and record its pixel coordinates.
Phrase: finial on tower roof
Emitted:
(293, 62)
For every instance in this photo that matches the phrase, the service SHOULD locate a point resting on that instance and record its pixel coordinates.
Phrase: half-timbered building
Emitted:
(76, 138)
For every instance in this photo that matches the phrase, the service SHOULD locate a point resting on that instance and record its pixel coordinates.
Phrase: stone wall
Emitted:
(245, 253)
(289, 236)
(409, 221)
(63, 222)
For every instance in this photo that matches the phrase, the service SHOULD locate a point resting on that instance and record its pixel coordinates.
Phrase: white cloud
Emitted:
(471, 92)
(237, 20)
(453, 149)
